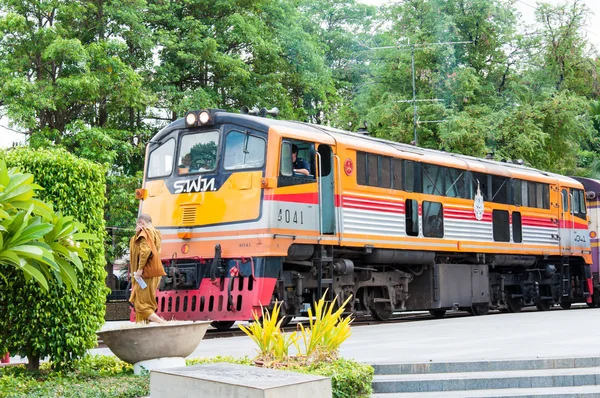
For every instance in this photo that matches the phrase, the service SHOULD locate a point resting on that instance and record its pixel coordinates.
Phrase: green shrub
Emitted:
(349, 379)
(272, 344)
(218, 358)
(327, 330)
(107, 376)
(58, 323)
(95, 376)
(322, 339)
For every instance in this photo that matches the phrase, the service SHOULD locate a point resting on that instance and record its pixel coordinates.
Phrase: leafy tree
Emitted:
(59, 322)
(343, 28)
(73, 76)
(565, 53)
(233, 53)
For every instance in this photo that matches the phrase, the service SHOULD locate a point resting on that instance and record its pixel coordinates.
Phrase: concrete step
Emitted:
(486, 380)
(551, 392)
(483, 366)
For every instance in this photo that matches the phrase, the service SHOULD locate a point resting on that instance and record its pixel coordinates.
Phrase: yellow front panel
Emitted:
(238, 199)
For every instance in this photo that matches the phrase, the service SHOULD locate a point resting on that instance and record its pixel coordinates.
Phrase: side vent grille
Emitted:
(188, 215)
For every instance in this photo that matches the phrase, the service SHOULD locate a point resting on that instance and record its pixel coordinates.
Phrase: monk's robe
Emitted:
(144, 249)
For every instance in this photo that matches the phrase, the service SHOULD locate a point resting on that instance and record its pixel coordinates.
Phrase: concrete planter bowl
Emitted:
(155, 346)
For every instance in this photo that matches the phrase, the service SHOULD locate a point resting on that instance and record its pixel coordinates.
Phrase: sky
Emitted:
(524, 7)
(7, 137)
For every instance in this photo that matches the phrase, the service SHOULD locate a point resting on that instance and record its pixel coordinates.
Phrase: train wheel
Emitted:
(437, 313)
(565, 305)
(543, 305)
(514, 304)
(480, 309)
(222, 326)
(380, 310)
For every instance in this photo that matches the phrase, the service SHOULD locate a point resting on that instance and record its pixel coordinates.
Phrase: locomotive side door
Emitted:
(565, 223)
(325, 175)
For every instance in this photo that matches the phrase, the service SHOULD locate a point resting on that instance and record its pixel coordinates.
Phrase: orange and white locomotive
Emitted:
(396, 226)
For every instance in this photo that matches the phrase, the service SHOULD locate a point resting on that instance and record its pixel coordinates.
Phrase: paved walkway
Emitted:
(532, 334)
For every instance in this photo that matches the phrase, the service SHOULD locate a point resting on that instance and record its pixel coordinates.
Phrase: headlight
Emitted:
(200, 118)
(204, 117)
(190, 119)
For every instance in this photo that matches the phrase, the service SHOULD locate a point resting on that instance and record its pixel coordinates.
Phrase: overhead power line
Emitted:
(414, 100)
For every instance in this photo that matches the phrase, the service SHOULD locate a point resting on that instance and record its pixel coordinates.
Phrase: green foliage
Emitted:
(74, 75)
(349, 379)
(34, 240)
(272, 344)
(59, 323)
(120, 212)
(94, 376)
(105, 376)
(322, 340)
(328, 330)
(520, 96)
(60, 65)
(218, 358)
(102, 365)
(233, 53)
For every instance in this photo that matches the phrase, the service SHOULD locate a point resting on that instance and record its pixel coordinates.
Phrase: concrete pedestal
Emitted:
(158, 363)
(226, 380)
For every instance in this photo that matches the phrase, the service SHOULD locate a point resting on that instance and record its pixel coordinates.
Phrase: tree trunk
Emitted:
(102, 113)
(33, 362)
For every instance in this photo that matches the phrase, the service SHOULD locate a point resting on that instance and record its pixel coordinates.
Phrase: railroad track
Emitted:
(362, 321)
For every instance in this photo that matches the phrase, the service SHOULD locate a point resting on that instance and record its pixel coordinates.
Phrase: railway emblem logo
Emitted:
(478, 204)
(348, 167)
(198, 185)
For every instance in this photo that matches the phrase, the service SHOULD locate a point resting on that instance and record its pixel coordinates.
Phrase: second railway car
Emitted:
(396, 226)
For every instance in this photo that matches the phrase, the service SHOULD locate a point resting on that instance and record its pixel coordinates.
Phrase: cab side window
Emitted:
(296, 163)
(578, 206)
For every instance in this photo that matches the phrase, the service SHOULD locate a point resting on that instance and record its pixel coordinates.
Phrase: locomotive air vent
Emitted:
(188, 215)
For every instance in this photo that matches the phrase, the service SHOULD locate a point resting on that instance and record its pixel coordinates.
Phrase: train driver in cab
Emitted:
(300, 166)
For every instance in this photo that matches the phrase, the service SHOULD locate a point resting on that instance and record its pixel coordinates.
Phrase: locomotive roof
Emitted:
(364, 142)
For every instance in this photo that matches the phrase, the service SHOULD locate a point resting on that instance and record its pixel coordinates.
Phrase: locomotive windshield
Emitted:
(161, 160)
(243, 151)
(198, 152)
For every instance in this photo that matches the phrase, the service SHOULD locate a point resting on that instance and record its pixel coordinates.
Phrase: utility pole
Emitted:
(414, 87)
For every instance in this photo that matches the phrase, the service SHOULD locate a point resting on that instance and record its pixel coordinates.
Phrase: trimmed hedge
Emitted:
(60, 323)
